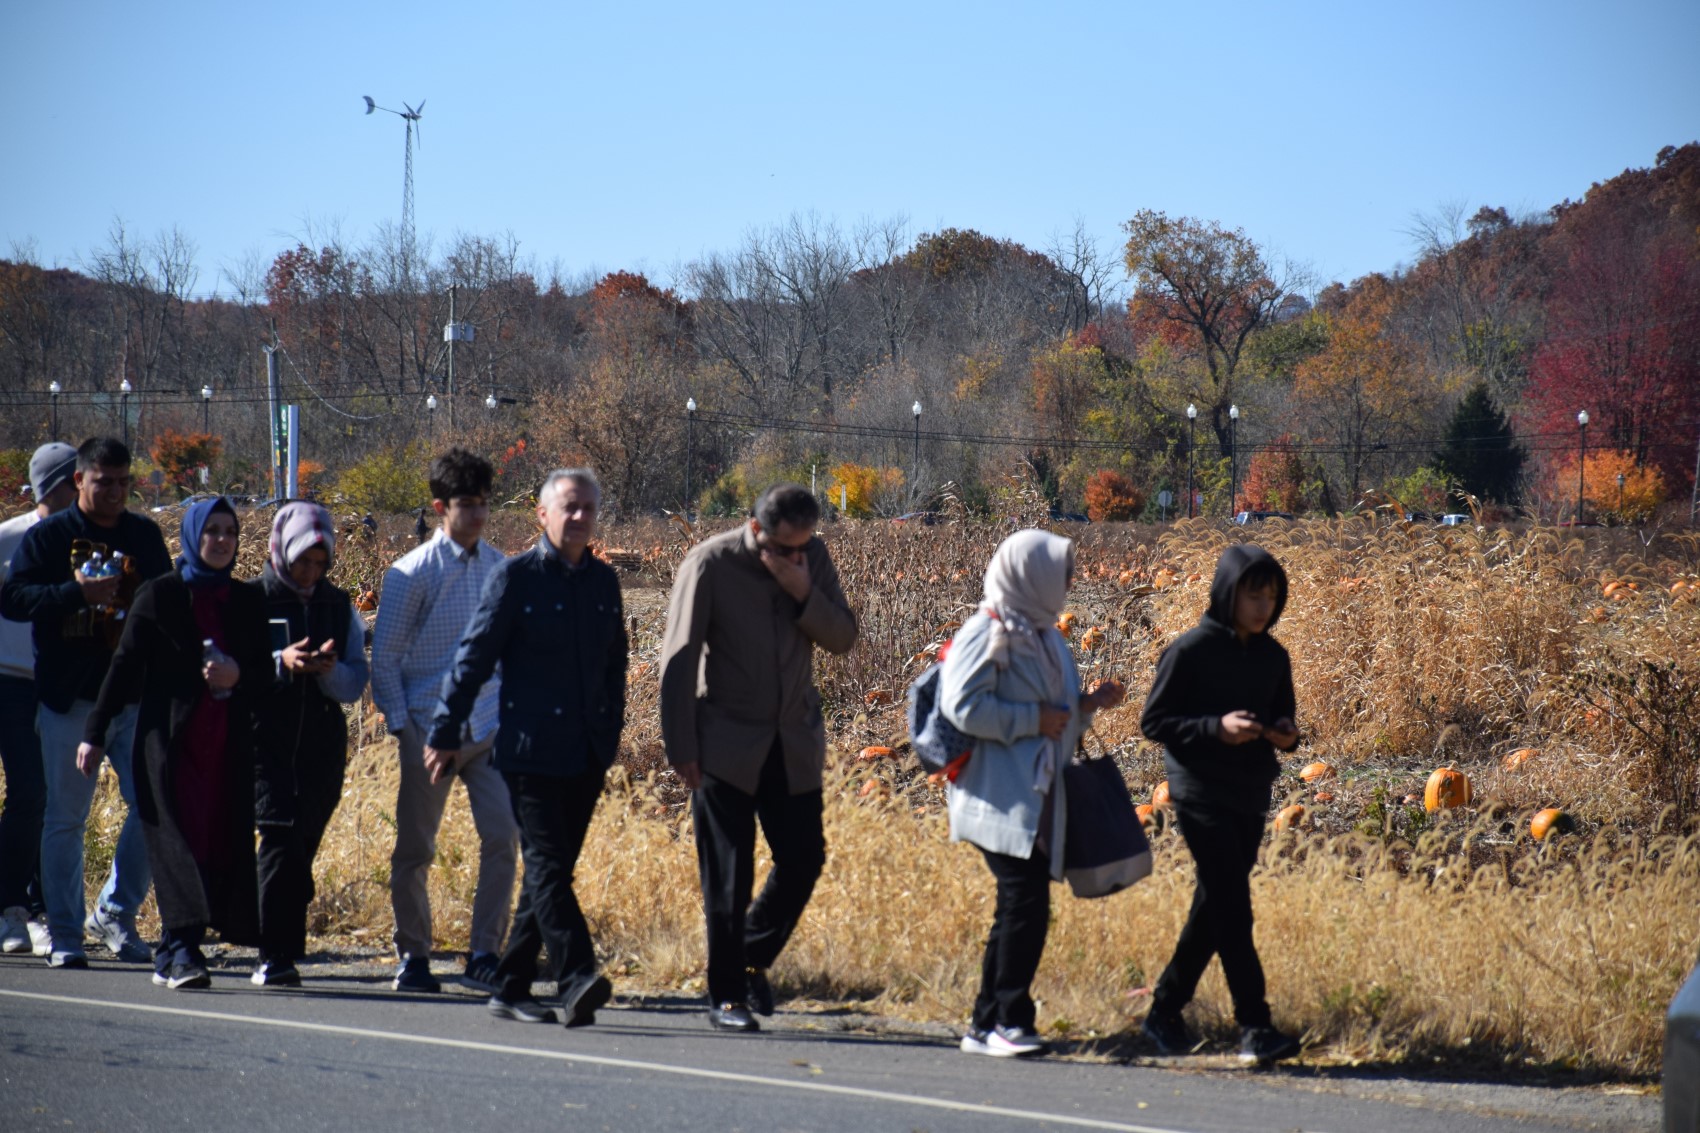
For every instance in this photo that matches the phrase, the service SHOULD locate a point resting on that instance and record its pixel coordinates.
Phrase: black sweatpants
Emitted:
(1224, 849)
(285, 861)
(1020, 923)
(553, 813)
(742, 934)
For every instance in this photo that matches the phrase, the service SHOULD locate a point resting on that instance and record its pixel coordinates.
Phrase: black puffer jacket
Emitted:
(1207, 673)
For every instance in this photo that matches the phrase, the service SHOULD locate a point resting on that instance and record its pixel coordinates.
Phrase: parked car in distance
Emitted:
(1246, 517)
(925, 518)
(1682, 1058)
(1455, 519)
(1069, 516)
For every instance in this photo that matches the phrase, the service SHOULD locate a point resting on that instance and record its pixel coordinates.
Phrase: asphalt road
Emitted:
(106, 1050)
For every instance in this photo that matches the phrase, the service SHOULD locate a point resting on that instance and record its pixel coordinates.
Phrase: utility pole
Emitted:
(274, 399)
(454, 333)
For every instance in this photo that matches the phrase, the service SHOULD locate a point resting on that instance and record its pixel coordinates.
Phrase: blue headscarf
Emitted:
(189, 564)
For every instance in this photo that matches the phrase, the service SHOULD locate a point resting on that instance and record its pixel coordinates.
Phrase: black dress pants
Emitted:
(285, 861)
(1224, 848)
(553, 813)
(741, 934)
(1020, 923)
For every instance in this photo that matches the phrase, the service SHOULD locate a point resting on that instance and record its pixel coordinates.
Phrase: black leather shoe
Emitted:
(579, 1005)
(761, 991)
(732, 1017)
(520, 1010)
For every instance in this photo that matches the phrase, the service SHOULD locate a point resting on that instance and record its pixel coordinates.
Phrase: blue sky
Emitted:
(639, 136)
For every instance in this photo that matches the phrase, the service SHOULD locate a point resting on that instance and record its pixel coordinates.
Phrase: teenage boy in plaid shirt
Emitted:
(429, 596)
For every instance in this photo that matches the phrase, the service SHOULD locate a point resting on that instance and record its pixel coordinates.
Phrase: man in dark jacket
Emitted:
(553, 618)
(1221, 704)
(77, 620)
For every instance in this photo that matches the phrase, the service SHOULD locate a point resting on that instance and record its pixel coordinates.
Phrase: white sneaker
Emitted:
(119, 938)
(14, 930)
(974, 1041)
(1013, 1042)
(41, 940)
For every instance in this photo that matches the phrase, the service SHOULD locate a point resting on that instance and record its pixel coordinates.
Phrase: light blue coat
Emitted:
(993, 804)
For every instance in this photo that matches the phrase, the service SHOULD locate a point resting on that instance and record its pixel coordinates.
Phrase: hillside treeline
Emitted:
(807, 348)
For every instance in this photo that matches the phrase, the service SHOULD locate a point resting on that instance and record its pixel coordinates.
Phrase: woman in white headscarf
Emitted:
(1009, 680)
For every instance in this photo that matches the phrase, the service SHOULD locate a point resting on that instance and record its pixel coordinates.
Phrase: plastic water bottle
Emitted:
(95, 568)
(209, 654)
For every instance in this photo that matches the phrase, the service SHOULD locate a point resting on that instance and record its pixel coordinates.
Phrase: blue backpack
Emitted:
(938, 745)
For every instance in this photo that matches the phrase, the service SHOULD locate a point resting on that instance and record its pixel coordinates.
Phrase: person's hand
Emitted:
(1283, 733)
(221, 675)
(97, 591)
(793, 577)
(690, 774)
(301, 659)
(1106, 694)
(89, 757)
(1052, 721)
(440, 762)
(1240, 727)
(325, 659)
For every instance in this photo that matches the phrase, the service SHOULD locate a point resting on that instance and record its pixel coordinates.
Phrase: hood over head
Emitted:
(1029, 575)
(1236, 562)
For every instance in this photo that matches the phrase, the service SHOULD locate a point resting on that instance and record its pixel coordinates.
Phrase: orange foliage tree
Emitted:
(1276, 479)
(1642, 492)
(863, 489)
(180, 455)
(1110, 496)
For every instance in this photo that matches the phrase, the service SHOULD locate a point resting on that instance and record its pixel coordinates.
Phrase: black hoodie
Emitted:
(1207, 673)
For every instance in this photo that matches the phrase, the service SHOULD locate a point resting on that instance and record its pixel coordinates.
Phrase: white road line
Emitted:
(603, 1060)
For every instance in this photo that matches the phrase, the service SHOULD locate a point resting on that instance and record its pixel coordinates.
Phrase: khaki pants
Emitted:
(418, 815)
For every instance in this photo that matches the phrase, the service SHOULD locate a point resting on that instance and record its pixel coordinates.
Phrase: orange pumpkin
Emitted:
(1325, 796)
(1315, 771)
(1092, 638)
(367, 601)
(1160, 797)
(1150, 817)
(1066, 622)
(876, 751)
(877, 697)
(1548, 821)
(873, 787)
(1290, 817)
(1519, 757)
(1125, 578)
(1447, 787)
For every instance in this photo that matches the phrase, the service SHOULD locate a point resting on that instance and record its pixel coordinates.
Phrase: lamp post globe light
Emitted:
(490, 403)
(54, 389)
(1582, 462)
(1233, 458)
(206, 409)
(431, 415)
(916, 477)
(690, 447)
(124, 391)
(1191, 420)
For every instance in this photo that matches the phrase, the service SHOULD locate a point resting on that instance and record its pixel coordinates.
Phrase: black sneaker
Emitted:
(1261, 1046)
(183, 977)
(579, 1005)
(1169, 1033)
(520, 1010)
(276, 973)
(415, 975)
(732, 1017)
(760, 990)
(480, 972)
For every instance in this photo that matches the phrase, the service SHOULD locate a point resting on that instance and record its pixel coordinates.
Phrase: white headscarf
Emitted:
(1026, 589)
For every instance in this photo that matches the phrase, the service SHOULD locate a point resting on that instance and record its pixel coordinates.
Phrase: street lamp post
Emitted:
(430, 415)
(1191, 420)
(206, 409)
(690, 447)
(490, 403)
(916, 479)
(1620, 479)
(54, 389)
(1233, 458)
(124, 389)
(1582, 463)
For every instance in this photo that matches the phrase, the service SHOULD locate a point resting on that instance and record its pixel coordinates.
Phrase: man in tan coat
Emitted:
(742, 723)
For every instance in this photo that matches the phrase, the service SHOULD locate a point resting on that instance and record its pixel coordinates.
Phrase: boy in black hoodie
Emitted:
(1221, 704)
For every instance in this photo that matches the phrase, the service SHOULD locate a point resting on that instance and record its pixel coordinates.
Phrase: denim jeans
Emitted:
(69, 795)
(26, 794)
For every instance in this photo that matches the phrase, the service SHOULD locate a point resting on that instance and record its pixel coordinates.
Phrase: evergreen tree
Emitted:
(1479, 453)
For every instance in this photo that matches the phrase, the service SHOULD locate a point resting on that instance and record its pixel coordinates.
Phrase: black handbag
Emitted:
(1104, 846)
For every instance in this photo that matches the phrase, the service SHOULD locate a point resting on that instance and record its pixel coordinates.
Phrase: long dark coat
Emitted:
(158, 663)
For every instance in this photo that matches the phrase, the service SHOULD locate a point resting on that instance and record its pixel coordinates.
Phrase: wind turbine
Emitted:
(411, 117)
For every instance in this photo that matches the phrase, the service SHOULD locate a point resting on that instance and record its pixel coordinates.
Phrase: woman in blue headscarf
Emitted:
(195, 654)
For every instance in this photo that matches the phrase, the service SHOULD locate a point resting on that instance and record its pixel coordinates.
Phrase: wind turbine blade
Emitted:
(421, 109)
(370, 105)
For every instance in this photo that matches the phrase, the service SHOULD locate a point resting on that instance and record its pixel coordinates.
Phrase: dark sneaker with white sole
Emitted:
(578, 1006)
(415, 975)
(521, 1010)
(480, 974)
(276, 973)
(1168, 1033)
(183, 977)
(1261, 1046)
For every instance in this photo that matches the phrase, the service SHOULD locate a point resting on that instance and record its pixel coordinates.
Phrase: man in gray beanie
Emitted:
(21, 929)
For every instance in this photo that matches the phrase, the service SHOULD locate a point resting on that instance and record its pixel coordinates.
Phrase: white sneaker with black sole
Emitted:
(1013, 1042)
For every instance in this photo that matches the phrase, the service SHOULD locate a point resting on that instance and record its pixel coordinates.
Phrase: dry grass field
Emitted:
(1389, 933)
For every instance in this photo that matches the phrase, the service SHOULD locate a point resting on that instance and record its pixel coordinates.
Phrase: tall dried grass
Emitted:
(1386, 932)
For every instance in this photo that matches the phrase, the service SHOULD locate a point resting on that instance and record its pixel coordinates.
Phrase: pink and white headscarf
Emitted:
(299, 526)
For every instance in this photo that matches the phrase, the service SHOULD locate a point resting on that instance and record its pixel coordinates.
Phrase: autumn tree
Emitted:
(1205, 290)
(1275, 479)
(180, 455)
(1479, 453)
(1111, 496)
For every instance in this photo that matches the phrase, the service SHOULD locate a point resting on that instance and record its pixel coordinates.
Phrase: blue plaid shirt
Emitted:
(429, 596)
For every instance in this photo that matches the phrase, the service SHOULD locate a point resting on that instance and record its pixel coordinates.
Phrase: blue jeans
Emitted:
(69, 795)
(26, 796)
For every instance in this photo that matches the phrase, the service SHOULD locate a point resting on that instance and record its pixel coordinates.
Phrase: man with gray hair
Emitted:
(552, 617)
